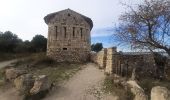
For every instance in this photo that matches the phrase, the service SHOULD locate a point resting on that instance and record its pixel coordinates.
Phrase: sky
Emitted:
(25, 17)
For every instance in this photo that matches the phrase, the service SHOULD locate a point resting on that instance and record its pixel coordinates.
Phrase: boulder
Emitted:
(117, 80)
(160, 93)
(41, 84)
(12, 73)
(137, 91)
(24, 83)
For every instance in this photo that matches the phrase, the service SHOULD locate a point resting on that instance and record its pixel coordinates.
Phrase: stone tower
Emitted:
(68, 36)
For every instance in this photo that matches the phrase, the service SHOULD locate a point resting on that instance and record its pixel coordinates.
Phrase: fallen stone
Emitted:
(24, 83)
(137, 91)
(12, 73)
(160, 93)
(41, 84)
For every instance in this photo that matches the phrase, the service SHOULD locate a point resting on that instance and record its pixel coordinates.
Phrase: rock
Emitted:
(24, 83)
(117, 80)
(41, 84)
(137, 91)
(12, 73)
(133, 77)
(160, 93)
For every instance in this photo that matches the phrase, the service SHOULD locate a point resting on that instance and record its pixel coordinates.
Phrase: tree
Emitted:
(147, 26)
(9, 41)
(39, 43)
(96, 47)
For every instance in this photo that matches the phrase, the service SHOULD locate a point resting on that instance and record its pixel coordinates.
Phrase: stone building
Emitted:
(68, 36)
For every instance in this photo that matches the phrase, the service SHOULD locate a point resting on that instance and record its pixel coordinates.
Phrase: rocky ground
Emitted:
(86, 84)
(83, 82)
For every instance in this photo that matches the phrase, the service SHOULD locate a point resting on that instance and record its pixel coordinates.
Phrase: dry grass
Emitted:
(11, 56)
(39, 64)
(110, 87)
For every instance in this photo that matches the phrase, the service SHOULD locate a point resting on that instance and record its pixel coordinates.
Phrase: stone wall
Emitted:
(99, 58)
(121, 63)
(111, 52)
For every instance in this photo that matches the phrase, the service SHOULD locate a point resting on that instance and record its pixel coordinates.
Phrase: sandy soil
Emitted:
(9, 94)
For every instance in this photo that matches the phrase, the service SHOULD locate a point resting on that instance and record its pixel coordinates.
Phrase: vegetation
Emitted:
(10, 43)
(13, 47)
(146, 26)
(148, 83)
(97, 47)
(118, 90)
(40, 64)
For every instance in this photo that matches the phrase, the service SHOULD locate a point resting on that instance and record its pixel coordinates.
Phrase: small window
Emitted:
(65, 32)
(73, 31)
(64, 48)
(68, 14)
(56, 31)
(81, 32)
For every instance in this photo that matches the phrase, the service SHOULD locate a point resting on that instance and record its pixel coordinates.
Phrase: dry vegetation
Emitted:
(11, 56)
(40, 64)
(148, 83)
(110, 87)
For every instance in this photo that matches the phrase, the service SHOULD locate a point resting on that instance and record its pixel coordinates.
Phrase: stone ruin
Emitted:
(68, 36)
(121, 63)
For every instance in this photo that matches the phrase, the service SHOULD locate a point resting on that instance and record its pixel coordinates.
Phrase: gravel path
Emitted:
(84, 85)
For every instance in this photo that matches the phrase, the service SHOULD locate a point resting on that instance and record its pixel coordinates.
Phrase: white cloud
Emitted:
(25, 17)
(106, 31)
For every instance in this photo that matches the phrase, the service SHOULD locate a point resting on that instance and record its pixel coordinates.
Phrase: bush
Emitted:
(97, 47)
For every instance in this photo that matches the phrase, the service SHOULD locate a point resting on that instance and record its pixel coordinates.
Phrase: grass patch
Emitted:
(110, 87)
(57, 72)
(11, 56)
(40, 64)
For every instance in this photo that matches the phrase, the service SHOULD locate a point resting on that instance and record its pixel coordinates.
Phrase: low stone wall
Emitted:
(120, 63)
(99, 58)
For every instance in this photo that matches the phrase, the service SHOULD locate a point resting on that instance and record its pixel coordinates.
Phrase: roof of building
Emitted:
(52, 15)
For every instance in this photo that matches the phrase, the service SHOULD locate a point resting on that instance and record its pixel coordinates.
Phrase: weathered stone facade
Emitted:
(68, 36)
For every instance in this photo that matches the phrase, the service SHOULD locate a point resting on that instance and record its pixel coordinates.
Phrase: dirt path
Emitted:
(9, 94)
(85, 85)
(6, 63)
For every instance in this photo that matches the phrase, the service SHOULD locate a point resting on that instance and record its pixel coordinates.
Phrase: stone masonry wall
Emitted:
(110, 60)
(99, 58)
(118, 63)
(68, 37)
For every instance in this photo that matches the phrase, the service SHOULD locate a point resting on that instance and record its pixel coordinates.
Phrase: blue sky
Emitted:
(25, 17)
